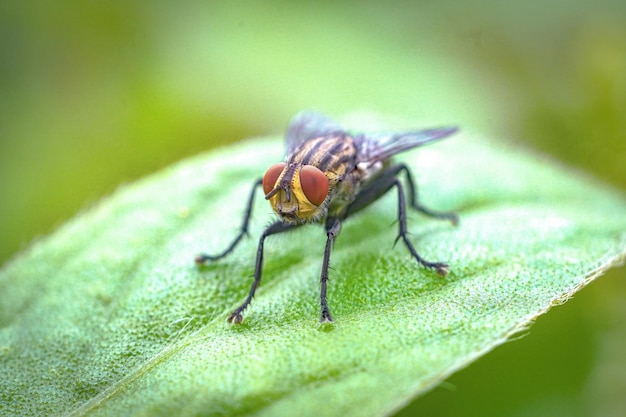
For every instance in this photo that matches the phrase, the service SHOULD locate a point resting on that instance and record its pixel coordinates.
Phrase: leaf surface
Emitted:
(109, 315)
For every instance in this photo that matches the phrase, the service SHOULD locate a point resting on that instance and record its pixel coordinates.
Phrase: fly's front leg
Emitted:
(236, 316)
(243, 231)
(333, 227)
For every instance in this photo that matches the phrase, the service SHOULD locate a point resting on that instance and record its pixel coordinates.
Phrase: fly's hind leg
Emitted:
(441, 267)
(377, 188)
(452, 217)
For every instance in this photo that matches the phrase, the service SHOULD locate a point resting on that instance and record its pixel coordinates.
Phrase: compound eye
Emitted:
(314, 184)
(271, 176)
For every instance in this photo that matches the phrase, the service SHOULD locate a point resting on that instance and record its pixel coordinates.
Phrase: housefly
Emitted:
(330, 174)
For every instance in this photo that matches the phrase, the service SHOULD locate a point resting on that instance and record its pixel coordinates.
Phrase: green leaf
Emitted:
(109, 315)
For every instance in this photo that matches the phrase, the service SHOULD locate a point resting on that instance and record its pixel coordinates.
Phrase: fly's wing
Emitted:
(308, 125)
(378, 147)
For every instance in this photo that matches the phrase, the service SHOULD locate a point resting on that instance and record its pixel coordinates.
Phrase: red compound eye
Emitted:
(271, 175)
(314, 184)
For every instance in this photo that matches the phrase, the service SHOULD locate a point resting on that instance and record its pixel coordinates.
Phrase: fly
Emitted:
(330, 174)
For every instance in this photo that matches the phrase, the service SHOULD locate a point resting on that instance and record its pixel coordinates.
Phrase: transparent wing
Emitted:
(377, 147)
(308, 125)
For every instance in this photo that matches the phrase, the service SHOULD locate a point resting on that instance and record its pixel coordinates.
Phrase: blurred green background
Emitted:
(94, 94)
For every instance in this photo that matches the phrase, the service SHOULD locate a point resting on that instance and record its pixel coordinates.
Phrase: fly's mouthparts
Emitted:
(288, 216)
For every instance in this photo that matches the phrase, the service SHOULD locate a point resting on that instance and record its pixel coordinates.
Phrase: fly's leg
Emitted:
(414, 201)
(236, 316)
(333, 227)
(441, 268)
(377, 188)
(381, 184)
(202, 258)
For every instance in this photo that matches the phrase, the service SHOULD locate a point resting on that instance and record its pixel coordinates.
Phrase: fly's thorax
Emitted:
(334, 153)
(369, 170)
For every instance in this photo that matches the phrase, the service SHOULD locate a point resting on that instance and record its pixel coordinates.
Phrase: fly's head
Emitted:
(297, 193)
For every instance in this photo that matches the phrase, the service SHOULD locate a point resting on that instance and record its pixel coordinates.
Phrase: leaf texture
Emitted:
(109, 315)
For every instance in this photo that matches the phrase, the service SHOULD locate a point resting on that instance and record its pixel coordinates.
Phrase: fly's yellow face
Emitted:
(297, 193)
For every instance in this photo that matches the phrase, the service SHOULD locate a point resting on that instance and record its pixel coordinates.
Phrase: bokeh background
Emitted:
(94, 94)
